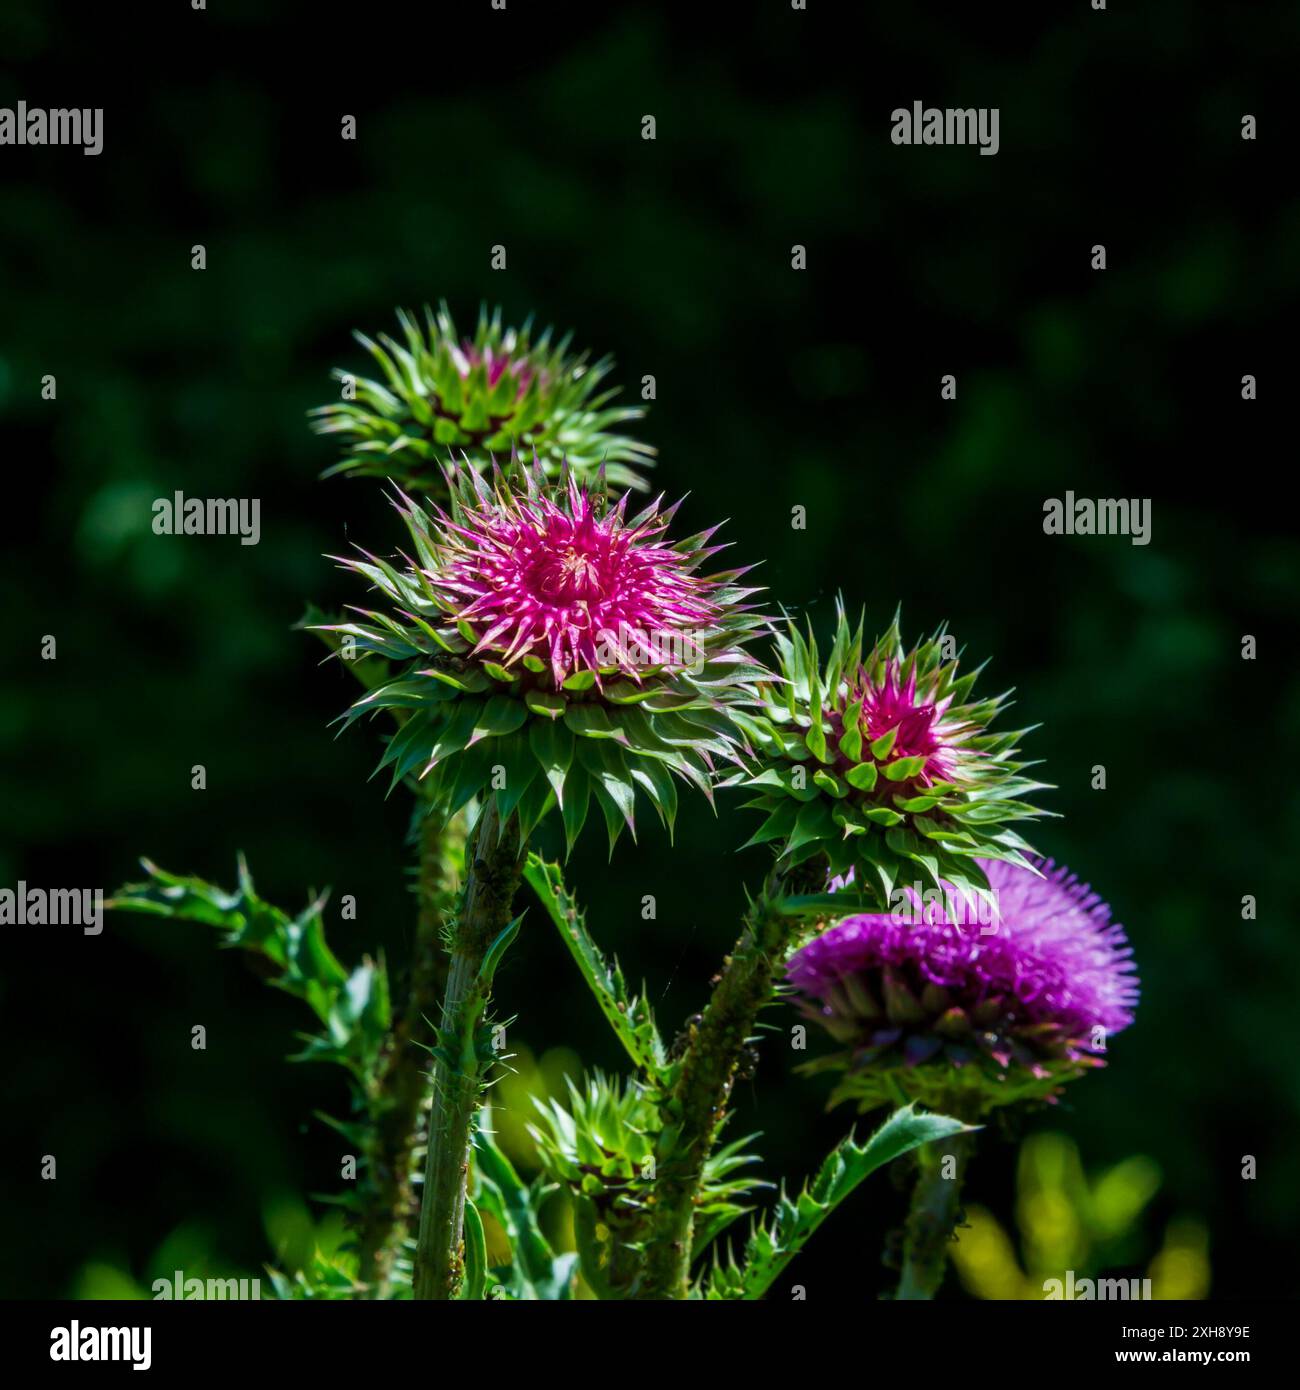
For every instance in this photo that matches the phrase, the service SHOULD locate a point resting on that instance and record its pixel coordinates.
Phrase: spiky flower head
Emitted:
(443, 395)
(881, 761)
(966, 1000)
(602, 1147)
(548, 647)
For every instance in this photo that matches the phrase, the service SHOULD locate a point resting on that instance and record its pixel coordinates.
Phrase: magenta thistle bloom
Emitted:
(496, 365)
(574, 588)
(556, 650)
(945, 1001)
(924, 729)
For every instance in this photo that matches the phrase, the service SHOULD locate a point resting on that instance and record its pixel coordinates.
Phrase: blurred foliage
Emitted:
(299, 1244)
(774, 389)
(1093, 1225)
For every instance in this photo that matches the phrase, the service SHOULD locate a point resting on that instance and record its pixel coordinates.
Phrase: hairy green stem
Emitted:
(696, 1107)
(936, 1203)
(402, 1088)
(492, 878)
(399, 1094)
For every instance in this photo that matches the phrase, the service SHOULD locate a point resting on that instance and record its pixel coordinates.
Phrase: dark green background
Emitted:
(775, 388)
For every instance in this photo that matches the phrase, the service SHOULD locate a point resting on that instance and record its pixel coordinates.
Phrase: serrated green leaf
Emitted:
(775, 1242)
(629, 1016)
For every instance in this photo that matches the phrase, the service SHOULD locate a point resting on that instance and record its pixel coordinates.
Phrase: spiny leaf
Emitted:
(629, 1015)
(775, 1241)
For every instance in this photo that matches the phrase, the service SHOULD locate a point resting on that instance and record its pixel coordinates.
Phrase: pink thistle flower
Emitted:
(923, 728)
(1016, 1001)
(580, 652)
(496, 365)
(584, 592)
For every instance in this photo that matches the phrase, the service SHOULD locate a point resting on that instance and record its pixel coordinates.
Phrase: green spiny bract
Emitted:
(445, 396)
(975, 1089)
(549, 649)
(883, 762)
(602, 1148)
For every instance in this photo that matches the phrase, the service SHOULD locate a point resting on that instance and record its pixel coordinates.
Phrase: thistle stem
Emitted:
(696, 1107)
(492, 878)
(402, 1089)
(936, 1202)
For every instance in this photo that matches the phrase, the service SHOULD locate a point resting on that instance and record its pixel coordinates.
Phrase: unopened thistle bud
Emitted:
(442, 395)
(882, 761)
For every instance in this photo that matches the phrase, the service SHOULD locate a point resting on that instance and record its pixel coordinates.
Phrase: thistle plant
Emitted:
(547, 651)
(938, 1003)
(871, 765)
(443, 395)
(653, 1195)
(544, 654)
